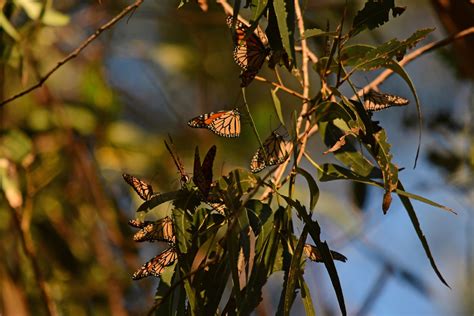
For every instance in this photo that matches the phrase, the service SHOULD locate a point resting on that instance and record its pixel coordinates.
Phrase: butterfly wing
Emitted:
(314, 254)
(376, 101)
(275, 153)
(157, 265)
(143, 189)
(138, 224)
(226, 124)
(161, 230)
(249, 52)
(206, 168)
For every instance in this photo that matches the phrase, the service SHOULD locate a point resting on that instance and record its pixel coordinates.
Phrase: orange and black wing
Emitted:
(157, 265)
(376, 101)
(249, 52)
(274, 152)
(222, 123)
(161, 230)
(143, 189)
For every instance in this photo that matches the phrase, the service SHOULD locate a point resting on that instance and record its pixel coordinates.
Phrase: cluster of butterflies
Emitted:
(250, 52)
(163, 229)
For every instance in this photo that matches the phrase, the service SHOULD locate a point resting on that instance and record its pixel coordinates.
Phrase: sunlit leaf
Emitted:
(8, 27)
(317, 33)
(51, 17)
(285, 14)
(15, 145)
(277, 104)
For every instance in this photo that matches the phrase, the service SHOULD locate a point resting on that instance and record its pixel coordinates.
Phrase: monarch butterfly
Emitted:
(219, 207)
(177, 161)
(143, 189)
(222, 123)
(275, 150)
(314, 255)
(376, 101)
(202, 174)
(161, 230)
(250, 51)
(157, 265)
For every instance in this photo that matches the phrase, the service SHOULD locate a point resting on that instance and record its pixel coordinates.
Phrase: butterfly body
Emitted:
(222, 123)
(376, 101)
(274, 152)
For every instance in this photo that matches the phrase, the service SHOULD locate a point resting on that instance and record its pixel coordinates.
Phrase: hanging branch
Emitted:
(76, 52)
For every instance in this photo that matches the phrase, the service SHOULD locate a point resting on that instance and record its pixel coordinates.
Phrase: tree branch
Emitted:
(413, 55)
(76, 52)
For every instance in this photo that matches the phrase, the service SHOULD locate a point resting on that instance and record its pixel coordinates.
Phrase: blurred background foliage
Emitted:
(64, 147)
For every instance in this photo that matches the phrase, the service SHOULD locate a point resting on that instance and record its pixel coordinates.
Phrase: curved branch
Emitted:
(76, 52)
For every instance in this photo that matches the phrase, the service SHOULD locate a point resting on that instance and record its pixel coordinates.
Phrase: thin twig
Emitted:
(76, 52)
(287, 90)
(413, 55)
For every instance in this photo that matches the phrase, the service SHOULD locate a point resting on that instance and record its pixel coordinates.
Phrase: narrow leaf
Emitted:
(313, 187)
(277, 104)
(306, 297)
(8, 27)
(398, 69)
(294, 272)
(317, 33)
(315, 231)
(284, 10)
(331, 172)
(416, 224)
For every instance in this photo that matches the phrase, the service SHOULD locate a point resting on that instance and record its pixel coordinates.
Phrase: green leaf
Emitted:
(317, 33)
(348, 155)
(277, 104)
(258, 213)
(384, 54)
(315, 230)
(313, 187)
(268, 253)
(294, 272)
(331, 172)
(158, 199)
(51, 17)
(351, 55)
(285, 14)
(8, 27)
(15, 145)
(306, 297)
(259, 9)
(9, 183)
(374, 14)
(416, 224)
(381, 152)
(398, 69)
